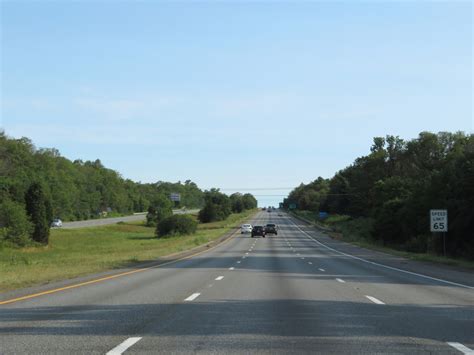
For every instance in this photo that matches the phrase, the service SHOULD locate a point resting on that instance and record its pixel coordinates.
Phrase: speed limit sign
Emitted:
(438, 220)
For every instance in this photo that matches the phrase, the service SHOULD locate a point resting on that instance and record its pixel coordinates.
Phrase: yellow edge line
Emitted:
(34, 295)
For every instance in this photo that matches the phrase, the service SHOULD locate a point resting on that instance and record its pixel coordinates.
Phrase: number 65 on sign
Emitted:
(438, 220)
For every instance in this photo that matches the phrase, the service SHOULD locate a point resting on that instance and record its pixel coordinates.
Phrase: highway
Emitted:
(113, 220)
(297, 292)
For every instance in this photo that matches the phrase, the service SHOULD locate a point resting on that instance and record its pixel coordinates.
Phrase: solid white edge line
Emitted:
(119, 349)
(218, 278)
(381, 265)
(375, 300)
(461, 348)
(192, 297)
(340, 280)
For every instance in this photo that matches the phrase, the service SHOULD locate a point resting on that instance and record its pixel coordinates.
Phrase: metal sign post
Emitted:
(439, 223)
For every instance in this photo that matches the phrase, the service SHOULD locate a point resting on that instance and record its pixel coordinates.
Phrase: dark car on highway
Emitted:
(271, 228)
(258, 231)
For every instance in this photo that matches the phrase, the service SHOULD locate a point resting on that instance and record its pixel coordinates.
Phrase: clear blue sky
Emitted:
(232, 94)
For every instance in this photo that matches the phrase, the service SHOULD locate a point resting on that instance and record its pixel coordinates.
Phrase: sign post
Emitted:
(439, 224)
(176, 198)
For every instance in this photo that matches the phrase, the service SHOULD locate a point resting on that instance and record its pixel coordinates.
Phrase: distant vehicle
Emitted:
(280, 215)
(57, 223)
(269, 210)
(263, 208)
(245, 228)
(271, 228)
(258, 231)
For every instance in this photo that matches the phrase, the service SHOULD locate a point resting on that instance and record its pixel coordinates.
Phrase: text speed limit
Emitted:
(438, 220)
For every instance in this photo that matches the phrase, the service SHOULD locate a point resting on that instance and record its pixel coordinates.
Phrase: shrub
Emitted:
(14, 224)
(178, 224)
(418, 244)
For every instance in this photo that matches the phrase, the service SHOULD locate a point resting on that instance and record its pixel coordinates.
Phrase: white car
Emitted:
(57, 223)
(245, 228)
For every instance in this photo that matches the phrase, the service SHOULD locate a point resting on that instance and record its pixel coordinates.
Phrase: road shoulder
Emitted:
(449, 273)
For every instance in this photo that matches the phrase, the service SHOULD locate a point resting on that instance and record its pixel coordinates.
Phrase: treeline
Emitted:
(219, 206)
(393, 188)
(80, 190)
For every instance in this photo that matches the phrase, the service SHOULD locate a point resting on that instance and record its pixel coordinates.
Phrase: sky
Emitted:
(248, 96)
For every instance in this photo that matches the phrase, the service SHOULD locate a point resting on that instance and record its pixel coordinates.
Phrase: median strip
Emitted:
(161, 261)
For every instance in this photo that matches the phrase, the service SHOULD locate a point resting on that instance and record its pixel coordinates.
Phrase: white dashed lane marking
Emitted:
(192, 297)
(219, 278)
(231, 268)
(461, 348)
(119, 349)
(321, 270)
(340, 280)
(375, 300)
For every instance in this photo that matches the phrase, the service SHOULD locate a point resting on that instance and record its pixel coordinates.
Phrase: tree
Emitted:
(14, 224)
(249, 201)
(236, 202)
(397, 183)
(208, 213)
(160, 208)
(37, 210)
(217, 206)
(151, 217)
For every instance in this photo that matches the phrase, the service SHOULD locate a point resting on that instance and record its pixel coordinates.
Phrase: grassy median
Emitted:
(78, 252)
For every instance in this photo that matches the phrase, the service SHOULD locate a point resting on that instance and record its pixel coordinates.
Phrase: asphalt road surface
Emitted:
(113, 220)
(297, 292)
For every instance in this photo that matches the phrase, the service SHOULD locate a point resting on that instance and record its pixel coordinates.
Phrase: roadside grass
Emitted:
(82, 251)
(357, 232)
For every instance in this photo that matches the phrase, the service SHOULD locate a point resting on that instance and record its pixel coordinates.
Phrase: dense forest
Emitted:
(392, 189)
(76, 189)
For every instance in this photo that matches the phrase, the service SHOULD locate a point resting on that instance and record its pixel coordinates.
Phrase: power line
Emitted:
(256, 188)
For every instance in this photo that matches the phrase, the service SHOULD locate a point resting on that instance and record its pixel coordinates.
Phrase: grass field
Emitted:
(77, 252)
